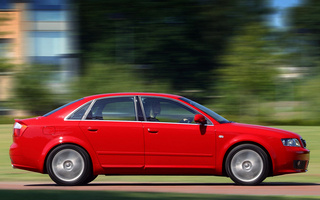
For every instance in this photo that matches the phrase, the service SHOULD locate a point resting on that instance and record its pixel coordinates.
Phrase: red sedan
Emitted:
(151, 134)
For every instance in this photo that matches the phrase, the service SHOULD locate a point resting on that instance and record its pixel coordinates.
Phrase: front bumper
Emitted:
(300, 164)
(292, 160)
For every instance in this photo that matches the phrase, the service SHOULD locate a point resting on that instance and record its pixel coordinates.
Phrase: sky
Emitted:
(278, 19)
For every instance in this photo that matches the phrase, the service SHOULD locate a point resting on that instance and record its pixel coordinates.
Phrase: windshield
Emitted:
(212, 114)
(55, 110)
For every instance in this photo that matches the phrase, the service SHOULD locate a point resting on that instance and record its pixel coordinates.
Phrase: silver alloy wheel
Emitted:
(247, 165)
(68, 165)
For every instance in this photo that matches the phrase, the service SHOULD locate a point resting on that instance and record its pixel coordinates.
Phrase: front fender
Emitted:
(226, 144)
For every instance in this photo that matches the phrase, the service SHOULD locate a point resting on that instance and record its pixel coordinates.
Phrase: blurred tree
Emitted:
(305, 21)
(249, 73)
(5, 65)
(176, 41)
(110, 78)
(32, 90)
(309, 92)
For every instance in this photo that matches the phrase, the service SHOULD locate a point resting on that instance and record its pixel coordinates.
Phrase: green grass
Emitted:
(105, 195)
(309, 133)
(6, 119)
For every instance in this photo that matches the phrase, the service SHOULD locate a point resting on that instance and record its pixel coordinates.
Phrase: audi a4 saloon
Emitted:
(150, 134)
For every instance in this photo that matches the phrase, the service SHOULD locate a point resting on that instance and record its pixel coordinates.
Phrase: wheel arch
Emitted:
(95, 164)
(59, 145)
(271, 164)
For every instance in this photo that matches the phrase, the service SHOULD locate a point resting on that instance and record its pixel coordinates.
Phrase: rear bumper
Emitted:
(19, 161)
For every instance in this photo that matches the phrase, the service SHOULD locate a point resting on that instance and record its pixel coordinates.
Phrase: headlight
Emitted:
(291, 142)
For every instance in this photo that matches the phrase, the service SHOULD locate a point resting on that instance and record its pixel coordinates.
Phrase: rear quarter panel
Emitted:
(69, 132)
(45, 133)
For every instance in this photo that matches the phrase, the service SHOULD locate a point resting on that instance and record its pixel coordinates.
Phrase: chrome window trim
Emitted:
(136, 99)
(172, 123)
(178, 123)
(95, 120)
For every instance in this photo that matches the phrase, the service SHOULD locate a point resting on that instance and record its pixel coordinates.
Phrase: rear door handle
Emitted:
(150, 130)
(92, 129)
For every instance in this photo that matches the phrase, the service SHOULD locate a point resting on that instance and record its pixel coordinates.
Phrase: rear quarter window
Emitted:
(78, 114)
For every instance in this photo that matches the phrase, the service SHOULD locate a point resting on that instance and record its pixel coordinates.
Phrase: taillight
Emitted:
(18, 129)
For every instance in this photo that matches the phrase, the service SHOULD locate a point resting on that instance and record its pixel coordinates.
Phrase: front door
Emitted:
(174, 144)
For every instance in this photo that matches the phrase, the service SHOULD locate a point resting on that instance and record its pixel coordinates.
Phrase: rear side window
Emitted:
(118, 108)
(78, 114)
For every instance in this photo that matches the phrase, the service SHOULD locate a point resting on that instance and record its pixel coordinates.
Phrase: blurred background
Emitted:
(253, 61)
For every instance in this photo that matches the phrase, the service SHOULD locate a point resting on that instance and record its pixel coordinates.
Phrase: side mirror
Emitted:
(200, 119)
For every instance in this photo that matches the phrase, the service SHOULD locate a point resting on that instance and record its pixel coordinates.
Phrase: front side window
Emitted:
(118, 108)
(165, 110)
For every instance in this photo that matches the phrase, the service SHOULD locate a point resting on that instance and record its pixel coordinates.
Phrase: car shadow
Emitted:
(287, 184)
(179, 184)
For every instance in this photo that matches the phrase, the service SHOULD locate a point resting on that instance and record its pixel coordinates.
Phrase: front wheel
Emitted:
(247, 164)
(69, 165)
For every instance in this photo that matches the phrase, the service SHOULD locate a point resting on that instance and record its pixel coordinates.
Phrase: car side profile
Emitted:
(151, 134)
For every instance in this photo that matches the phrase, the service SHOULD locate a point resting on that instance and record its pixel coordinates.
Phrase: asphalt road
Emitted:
(291, 189)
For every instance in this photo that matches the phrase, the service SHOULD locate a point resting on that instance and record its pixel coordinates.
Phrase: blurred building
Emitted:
(37, 32)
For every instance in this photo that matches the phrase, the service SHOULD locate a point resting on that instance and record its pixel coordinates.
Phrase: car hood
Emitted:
(256, 129)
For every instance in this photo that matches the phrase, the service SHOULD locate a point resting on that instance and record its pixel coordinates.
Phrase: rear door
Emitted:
(115, 134)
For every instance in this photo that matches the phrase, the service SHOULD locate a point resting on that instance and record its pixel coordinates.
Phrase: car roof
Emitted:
(133, 94)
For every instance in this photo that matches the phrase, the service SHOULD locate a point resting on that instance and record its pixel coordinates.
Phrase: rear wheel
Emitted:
(90, 179)
(69, 165)
(247, 164)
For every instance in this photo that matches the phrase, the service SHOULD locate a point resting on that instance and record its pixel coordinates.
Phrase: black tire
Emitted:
(69, 165)
(90, 179)
(247, 164)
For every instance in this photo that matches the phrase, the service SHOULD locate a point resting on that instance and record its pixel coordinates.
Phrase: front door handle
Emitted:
(92, 129)
(150, 130)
